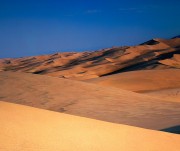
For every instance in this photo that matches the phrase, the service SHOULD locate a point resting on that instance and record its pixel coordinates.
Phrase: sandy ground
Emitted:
(164, 84)
(25, 128)
(142, 81)
(166, 94)
(88, 100)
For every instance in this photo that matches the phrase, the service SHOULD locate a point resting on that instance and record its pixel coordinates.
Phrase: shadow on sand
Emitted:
(173, 129)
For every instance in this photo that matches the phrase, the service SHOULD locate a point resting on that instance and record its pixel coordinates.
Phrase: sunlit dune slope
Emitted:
(142, 81)
(88, 100)
(25, 128)
(164, 84)
(154, 54)
(166, 94)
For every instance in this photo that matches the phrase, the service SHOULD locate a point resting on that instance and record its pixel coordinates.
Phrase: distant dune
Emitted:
(29, 129)
(153, 54)
(88, 100)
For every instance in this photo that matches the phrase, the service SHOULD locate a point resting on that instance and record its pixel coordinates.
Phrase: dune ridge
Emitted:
(154, 54)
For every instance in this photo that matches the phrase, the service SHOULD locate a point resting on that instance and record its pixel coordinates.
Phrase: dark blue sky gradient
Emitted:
(34, 27)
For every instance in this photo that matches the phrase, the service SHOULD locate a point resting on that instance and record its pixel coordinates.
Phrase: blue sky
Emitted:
(34, 27)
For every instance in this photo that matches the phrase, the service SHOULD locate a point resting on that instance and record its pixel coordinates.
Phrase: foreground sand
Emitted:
(88, 100)
(25, 128)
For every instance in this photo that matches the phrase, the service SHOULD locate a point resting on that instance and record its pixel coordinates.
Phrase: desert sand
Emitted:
(25, 128)
(166, 94)
(173, 62)
(142, 81)
(164, 84)
(88, 100)
(54, 102)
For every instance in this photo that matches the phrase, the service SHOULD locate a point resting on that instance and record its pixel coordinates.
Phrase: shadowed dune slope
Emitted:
(88, 100)
(142, 81)
(25, 128)
(154, 54)
(173, 62)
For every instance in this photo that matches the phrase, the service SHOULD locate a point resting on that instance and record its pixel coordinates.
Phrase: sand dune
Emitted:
(142, 81)
(173, 62)
(166, 94)
(97, 96)
(88, 100)
(164, 84)
(25, 128)
(154, 54)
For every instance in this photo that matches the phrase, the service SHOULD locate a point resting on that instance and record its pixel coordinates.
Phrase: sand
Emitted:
(172, 62)
(88, 100)
(166, 94)
(142, 81)
(163, 84)
(25, 128)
